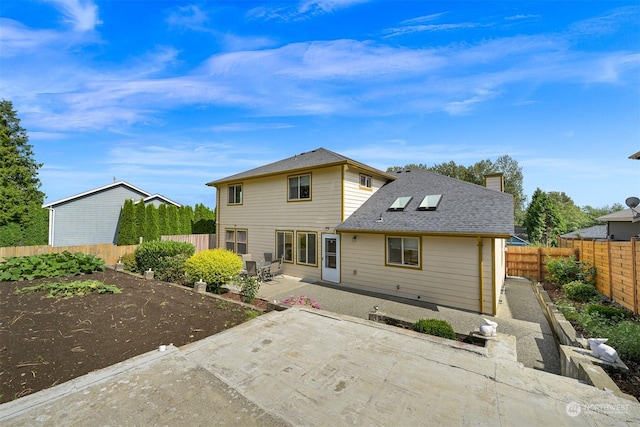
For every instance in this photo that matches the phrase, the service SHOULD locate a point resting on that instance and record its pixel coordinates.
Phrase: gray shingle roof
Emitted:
(623, 215)
(595, 232)
(465, 208)
(309, 159)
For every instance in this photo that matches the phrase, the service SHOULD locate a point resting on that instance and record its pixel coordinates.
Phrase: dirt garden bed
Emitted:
(47, 341)
(628, 382)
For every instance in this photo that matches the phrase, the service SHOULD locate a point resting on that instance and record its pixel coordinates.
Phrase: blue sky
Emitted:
(169, 95)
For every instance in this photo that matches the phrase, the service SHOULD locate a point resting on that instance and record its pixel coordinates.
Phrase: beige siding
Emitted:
(495, 182)
(354, 195)
(449, 274)
(265, 209)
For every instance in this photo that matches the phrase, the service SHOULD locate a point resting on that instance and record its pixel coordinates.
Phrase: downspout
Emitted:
(494, 295)
(480, 274)
(218, 216)
(52, 218)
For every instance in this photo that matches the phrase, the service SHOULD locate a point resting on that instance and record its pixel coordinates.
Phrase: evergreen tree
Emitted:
(19, 182)
(140, 210)
(186, 218)
(163, 228)
(151, 231)
(173, 226)
(127, 225)
(542, 220)
(203, 220)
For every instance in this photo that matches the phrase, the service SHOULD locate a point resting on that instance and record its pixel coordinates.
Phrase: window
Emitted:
(400, 203)
(284, 245)
(403, 251)
(236, 241)
(307, 248)
(430, 202)
(365, 181)
(300, 187)
(235, 194)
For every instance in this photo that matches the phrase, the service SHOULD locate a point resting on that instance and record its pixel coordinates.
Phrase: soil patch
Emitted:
(47, 341)
(628, 382)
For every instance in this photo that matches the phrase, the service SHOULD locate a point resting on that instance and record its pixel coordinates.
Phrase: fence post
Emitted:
(634, 275)
(539, 268)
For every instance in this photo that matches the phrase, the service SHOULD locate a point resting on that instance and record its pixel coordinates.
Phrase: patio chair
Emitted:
(268, 256)
(276, 268)
(252, 268)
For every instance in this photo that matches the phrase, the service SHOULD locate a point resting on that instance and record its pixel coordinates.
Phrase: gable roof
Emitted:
(595, 232)
(625, 215)
(319, 157)
(465, 208)
(145, 195)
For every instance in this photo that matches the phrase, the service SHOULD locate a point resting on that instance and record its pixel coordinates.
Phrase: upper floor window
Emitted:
(365, 181)
(300, 187)
(235, 194)
(404, 251)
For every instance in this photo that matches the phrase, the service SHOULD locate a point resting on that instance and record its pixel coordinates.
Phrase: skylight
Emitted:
(430, 202)
(400, 203)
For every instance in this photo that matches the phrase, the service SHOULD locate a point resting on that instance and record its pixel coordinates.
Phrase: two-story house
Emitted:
(413, 234)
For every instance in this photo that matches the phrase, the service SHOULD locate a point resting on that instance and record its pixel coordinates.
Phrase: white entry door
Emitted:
(331, 258)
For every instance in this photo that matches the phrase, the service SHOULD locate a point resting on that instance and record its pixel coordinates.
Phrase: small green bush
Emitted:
(171, 268)
(153, 255)
(566, 270)
(439, 328)
(580, 291)
(49, 265)
(129, 262)
(216, 267)
(607, 311)
(249, 287)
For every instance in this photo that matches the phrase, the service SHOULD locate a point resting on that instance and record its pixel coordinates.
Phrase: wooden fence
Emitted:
(108, 252)
(617, 265)
(528, 261)
(200, 241)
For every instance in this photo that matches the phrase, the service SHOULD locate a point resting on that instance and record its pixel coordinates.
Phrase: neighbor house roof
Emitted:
(625, 215)
(464, 208)
(320, 157)
(145, 195)
(595, 232)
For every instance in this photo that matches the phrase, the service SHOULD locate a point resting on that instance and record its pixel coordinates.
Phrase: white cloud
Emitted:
(81, 14)
(304, 9)
(17, 39)
(191, 17)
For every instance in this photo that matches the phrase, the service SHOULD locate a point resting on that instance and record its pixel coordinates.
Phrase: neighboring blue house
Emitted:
(92, 217)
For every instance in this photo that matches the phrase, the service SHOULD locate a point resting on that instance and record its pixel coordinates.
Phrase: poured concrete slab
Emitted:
(316, 368)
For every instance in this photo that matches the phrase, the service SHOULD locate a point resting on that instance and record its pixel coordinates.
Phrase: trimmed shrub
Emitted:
(214, 266)
(580, 291)
(171, 268)
(566, 270)
(129, 262)
(607, 311)
(151, 255)
(439, 328)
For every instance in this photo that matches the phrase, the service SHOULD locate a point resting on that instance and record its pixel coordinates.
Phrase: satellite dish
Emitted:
(632, 202)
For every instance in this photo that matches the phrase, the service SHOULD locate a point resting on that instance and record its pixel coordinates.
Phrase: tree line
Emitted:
(149, 222)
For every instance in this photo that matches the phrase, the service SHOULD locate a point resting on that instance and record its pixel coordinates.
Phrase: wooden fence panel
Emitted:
(108, 252)
(528, 261)
(202, 242)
